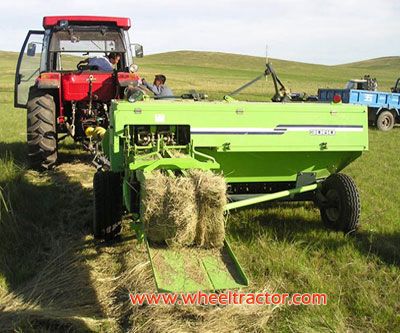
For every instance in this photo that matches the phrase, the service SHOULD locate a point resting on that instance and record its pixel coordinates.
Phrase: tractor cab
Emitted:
(64, 43)
(367, 83)
(53, 70)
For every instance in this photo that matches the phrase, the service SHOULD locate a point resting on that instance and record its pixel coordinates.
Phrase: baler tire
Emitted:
(41, 131)
(385, 121)
(107, 205)
(342, 208)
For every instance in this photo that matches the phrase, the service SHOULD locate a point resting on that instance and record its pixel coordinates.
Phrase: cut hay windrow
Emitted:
(183, 211)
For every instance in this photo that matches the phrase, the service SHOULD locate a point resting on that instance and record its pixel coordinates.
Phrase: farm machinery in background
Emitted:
(383, 107)
(264, 151)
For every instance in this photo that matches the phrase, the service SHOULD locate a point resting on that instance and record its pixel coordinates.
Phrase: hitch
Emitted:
(281, 93)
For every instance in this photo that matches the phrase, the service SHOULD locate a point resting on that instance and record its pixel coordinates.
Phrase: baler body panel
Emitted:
(256, 142)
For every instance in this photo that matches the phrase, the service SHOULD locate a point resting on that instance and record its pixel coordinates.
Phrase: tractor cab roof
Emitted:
(121, 22)
(358, 80)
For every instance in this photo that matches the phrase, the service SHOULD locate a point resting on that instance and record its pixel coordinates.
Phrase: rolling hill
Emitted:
(219, 73)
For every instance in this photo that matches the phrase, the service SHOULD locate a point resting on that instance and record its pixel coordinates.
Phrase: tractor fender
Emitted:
(394, 111)
(51, 83)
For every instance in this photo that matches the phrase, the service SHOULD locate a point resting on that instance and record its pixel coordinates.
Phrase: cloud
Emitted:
(312, 31)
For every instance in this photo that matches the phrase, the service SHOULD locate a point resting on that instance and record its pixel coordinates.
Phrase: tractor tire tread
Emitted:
(41, 130)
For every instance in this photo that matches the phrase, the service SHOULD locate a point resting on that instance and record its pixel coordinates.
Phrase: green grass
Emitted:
(45, 219)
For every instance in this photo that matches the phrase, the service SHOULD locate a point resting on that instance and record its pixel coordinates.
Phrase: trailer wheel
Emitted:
(41, 130)
(107, 205)
(340, 207)
(385, 121)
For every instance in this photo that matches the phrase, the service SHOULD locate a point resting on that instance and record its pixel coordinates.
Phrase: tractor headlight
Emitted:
(63, 24)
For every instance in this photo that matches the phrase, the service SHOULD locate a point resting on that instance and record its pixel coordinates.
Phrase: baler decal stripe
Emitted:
(319, 126)
(237, 130)
(305, 125)
(278, 130)
(337, 128)
(245, 133)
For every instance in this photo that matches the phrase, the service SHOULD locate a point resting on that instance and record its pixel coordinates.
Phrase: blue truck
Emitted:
(383, 107)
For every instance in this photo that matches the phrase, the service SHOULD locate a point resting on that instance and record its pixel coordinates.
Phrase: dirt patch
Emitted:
(79, 172)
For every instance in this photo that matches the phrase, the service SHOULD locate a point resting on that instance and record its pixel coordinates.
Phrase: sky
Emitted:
(316, 31)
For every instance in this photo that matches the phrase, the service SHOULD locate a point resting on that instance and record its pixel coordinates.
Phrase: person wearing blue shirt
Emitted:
(104, 64)
(158, 87)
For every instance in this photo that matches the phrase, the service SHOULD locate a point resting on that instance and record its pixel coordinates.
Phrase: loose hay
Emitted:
(211, 200)
(137, 277)
(80, 285)
(185, 210)
(169, 212)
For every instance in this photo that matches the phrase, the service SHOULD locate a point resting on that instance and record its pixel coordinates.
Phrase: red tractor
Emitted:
(64, 95)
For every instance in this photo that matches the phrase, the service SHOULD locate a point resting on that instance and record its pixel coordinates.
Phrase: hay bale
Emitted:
(210, 200)
(153, 194)
(184, 211)
(169, 210)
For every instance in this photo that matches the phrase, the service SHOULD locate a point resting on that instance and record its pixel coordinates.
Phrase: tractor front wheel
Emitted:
(41, 131)
(107, 205)
(339, 203)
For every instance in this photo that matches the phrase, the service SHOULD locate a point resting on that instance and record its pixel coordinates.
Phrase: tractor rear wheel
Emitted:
(107, 205)
(41, 131)
(340, 205)
(385, 121)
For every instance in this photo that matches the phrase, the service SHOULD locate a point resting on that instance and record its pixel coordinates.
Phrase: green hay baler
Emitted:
(266, 151)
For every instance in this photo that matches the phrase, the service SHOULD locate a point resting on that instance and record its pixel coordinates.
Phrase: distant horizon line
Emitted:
(254, 56)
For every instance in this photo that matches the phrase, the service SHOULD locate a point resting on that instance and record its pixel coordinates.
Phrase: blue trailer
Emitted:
(383, 107)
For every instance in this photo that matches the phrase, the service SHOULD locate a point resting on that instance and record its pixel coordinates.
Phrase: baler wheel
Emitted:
(41, 131)
(107, 205)
(385, 121)
(340, 209)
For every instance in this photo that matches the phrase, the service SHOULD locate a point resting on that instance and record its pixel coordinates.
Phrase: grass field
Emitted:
(54, 277)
